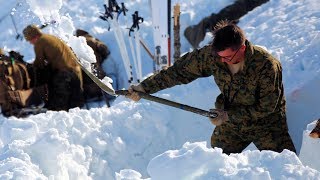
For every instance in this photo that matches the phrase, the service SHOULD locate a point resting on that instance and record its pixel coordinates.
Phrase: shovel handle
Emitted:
(171, 103)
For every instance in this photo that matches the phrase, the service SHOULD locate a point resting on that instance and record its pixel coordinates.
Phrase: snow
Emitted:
(147, 140)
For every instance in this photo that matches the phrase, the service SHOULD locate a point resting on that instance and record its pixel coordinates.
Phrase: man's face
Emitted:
(230, 56)
(33, 40)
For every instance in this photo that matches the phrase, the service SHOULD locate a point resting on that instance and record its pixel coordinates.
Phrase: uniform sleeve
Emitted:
(103, 50)
(188, 68)
(269, 96)
(39, 62)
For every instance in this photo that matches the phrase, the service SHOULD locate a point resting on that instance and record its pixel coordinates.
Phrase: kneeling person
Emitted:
(63, 74)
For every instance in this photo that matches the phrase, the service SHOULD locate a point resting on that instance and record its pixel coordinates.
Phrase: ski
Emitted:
(112, 12)
(23, 112)
(136, 19)
(161, 19)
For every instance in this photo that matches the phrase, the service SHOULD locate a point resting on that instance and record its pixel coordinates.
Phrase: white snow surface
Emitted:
(147, 140)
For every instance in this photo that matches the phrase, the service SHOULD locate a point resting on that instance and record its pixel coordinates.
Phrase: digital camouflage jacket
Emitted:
(252, 97)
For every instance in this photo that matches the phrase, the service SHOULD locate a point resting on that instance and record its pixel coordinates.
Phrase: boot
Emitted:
(196, 33)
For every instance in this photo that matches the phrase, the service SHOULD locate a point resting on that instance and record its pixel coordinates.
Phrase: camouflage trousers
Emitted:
(234, 138)
(65, 91)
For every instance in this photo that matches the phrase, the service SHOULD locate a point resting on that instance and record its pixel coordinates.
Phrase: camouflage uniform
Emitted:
(254, 97)
(63, 74)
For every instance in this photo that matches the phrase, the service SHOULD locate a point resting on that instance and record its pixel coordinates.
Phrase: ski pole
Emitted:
(145, 47)
(15, 27)
(112, 10)
(171, 103)
(44, 25)
(176, 32)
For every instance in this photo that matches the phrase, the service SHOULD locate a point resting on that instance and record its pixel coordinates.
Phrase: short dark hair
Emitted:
(226, 34)
(31, 31)
(80, 32)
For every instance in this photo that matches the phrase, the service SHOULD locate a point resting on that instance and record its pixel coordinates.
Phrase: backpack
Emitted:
(14, 74)
(15, 90)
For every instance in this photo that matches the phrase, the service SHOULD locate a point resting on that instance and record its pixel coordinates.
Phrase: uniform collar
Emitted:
(248, 53)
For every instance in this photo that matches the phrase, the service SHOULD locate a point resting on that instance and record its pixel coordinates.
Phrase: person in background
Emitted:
(315, 133)
(196, 33)
(251, 106)
(101, 51)
(57, 62)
